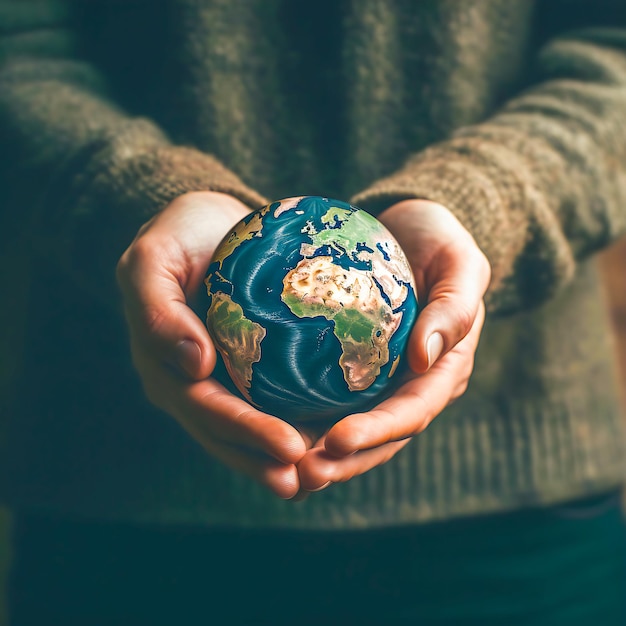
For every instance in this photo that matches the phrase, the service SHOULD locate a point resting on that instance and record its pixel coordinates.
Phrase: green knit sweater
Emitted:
(512, 113)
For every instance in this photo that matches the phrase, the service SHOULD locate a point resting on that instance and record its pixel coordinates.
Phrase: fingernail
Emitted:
(188, 356)
(322, 487)
(434, 347)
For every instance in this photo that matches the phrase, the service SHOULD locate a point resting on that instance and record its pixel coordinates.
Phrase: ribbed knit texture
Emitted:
(503, 110)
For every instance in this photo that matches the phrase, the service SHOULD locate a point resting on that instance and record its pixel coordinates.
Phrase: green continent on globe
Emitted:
(360, 302)
(363, 321)
(386, 261)
(236, 337)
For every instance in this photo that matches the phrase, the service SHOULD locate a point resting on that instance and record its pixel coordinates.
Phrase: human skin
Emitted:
(453, 274)
(174, 356)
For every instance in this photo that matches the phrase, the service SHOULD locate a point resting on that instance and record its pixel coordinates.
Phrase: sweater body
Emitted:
(483, 106)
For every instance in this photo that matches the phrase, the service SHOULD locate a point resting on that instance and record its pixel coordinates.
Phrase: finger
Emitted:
(460, 276)
(209, 412)
(281, 479)
(318, 469)
(233, 420)
(193, 224)
(412, 407)
(158, 316)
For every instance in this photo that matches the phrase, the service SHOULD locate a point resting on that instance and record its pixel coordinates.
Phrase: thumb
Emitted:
(454, 301)
(161, 324)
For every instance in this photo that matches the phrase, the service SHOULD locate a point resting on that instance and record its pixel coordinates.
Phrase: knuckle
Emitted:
(462, 388)
(136, 255)
(154, 319)
(464, 319)
(458, 392)
(421, 425)
(140, 251)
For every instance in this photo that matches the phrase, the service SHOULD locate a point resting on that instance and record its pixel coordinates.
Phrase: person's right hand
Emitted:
(158, 275)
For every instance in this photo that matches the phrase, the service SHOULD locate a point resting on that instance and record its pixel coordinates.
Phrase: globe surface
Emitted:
(311, 305)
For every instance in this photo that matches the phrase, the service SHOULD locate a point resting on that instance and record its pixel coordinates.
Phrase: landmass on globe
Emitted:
(238, 339)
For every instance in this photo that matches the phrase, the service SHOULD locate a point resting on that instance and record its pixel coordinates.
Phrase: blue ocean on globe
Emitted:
(311, 305)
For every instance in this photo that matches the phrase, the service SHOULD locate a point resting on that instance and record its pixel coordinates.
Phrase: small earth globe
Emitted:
(311, 304)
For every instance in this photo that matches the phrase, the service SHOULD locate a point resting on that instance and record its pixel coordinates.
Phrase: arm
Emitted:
(82, 175)
(542, 183)
(536, 188)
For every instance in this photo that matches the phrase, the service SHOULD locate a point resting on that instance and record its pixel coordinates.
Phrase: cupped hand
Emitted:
(452, 275)
(172, 351)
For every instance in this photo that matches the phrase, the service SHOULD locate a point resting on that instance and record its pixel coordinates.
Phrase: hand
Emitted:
(452, 275)
(173, 353)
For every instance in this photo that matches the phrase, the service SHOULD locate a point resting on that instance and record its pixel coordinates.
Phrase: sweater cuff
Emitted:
(463, 187)
(117, 188)
(139, 172)
(148, 182)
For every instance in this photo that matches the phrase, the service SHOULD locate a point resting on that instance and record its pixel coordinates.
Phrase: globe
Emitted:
(311, 302)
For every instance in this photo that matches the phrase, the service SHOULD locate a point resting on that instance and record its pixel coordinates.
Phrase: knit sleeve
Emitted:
(78, 172)
(542, 183)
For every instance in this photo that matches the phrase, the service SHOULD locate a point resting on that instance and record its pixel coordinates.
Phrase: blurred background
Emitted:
(4, 560)
(613, 264)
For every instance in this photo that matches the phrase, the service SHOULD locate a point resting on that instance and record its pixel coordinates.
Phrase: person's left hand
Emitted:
(452, 275)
